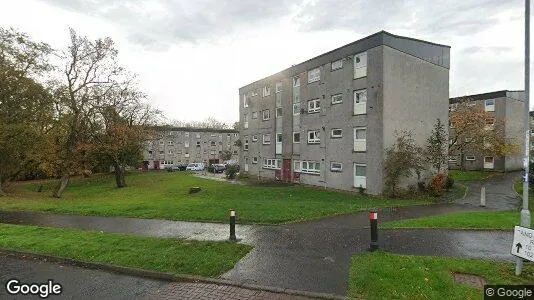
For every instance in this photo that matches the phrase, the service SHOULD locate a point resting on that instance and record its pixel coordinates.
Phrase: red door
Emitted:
(156, 165)
(286, 170)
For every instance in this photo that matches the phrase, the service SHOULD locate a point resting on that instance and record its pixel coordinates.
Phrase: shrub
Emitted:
(231, 172)
(436, 185)
(449, 183)
(361, 190)
(421, 186)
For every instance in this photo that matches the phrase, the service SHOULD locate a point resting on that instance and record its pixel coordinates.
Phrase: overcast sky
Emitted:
(193, 55)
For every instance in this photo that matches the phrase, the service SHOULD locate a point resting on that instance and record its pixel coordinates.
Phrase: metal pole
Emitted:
(232, 225)
(525, 213)
(373, 219)
(483, 196)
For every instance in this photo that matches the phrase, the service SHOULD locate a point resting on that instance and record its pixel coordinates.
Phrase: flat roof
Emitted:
(195, 129)
(484, 96)
(438, 54)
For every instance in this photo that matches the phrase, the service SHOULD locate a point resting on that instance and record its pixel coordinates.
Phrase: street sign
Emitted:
(523, 244)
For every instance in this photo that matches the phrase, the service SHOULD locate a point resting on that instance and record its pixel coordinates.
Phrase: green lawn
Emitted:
(165, 195)
(158, 254)
(381, 275)
(458, 175)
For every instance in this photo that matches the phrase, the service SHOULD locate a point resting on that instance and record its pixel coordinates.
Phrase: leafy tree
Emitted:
(402, 159)
(25, 104)
(475, 131)
(225, 155)
(436, 147)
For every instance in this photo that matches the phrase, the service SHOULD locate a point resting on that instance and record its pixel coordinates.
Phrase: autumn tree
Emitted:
(90, 72)
(402, 159)
(476, 131)
(436, 147)
(25, 103)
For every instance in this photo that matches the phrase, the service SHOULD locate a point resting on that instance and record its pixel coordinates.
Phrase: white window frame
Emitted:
(360, 145)
(245, 102)
(489, 125)
(489, 107)
(245, 144)
(245, 121)
(360, 102)
(297, 133)
(161, 143)
(266, 139)
(170, 143)
(296, 81)
(310, 167)
(278, 112)
(470, 157)
(492, 163)
(255, 160)
(337, 64)
(453, 159)
(360, 65)
(186, 134)
(314, 75)
(337, 98)
(360, 178)
(317, 137)
(335, 136)
(296, 108)
(198, 135)
(336, 166)
(266, 91)
(254, 115)
(254, 137)
(265, 114)
(278, 87)
(272, 163)
(314, 106)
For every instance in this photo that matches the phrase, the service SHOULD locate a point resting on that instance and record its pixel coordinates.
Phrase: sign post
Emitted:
(523, 244)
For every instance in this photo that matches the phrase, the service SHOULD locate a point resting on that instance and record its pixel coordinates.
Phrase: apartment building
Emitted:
(187, 145)
(507, 106)
(327, 121)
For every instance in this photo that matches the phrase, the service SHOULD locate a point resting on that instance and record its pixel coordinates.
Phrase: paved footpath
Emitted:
(82, 283)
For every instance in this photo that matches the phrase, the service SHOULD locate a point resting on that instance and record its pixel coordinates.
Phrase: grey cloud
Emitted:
(179, 21)
(478, 49)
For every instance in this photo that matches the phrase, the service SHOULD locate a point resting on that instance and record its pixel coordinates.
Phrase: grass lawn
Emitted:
(501, 220)
(458, 175)
(165, 195)
(381, 275)
(158, 254)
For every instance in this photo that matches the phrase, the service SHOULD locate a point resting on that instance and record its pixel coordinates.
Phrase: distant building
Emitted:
(187, 145)
(327, 121)
(503, 105)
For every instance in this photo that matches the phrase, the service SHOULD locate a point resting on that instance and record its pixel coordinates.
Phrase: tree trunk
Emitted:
(119, 176)
(62, 185)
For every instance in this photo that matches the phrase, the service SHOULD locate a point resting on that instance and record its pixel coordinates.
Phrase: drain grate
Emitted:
(469, 279)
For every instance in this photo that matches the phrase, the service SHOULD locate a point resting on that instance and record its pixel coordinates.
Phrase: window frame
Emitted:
(336, 136)
(263, 117)
(278, 112)
(334, 169)
(360, 141)
(298, 133)
(314, 75)
(316, 139)
(266, 141)
(340, 61)
(340, 96)
(312, 109)
(468, 157)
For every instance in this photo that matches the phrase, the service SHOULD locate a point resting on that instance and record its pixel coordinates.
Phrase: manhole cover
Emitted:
(472, 280)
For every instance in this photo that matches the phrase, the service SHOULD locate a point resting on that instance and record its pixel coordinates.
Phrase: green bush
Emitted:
(449, 183)
(231, 172)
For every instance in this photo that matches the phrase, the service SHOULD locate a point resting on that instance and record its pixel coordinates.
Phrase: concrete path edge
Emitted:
(166, 276)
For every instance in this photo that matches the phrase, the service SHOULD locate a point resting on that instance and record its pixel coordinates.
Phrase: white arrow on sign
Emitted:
(523, 243)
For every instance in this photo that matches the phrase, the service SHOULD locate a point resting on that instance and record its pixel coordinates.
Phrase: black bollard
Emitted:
(373, 218)
(232, 225)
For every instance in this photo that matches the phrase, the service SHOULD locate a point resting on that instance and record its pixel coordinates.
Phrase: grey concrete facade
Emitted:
(406, 84)
(508, 112)
(188, 145)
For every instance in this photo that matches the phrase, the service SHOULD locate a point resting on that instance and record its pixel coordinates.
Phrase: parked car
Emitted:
(218, 168)
(179, 167)
(195, 167)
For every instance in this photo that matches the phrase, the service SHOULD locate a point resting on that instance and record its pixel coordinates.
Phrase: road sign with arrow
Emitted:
(523, 244)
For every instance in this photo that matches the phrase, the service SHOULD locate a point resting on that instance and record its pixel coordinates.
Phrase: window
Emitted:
(278, 87)
(489, 105)
(296, 108)
(278, 112)
(254, 138)
(338, 64)
(186, 144)
(198, 135)
(254, 160)
(489, 162)
(336, 167)
(360, 179)
(171, 132)
(336, 133)
(469, 157)
(245, 123)
(186, 134)
(310, 167)
(296, 137)
(314, 106)
(360, 65)
(254, 93)
(296, 81)
(245, 145)
(212, 152)
(213, 135)
(213, 143)
(161, 152)
(265, 115)
(266, 91)
(245, 101)
(337, 98)
(490, 122)
(297, 166)
(360, 102)
(254, 116)
(313, 137)
(198, 144)
(452, 159)
(278, 137)
(360, 144)
(314, 75)
(266, 139)
(186, 154)
(170, 143)
(161, 143)
(269, 163)
(235, 152)
(170, 152)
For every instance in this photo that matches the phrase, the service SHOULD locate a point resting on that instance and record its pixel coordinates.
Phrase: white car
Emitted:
(195, 167)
